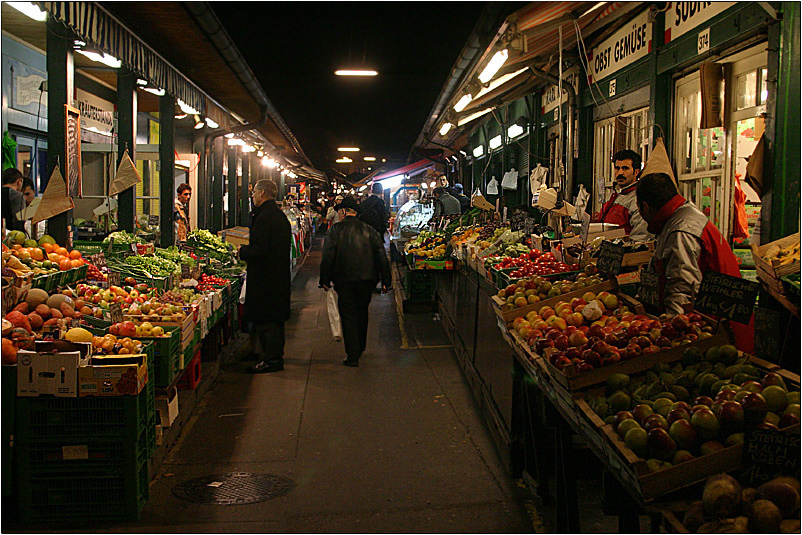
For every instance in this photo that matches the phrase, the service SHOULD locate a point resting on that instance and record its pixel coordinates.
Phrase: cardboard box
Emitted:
(113, 375)
(51, 369)
(167, 407)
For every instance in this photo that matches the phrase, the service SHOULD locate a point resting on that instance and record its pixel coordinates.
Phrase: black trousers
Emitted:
(271, 341)
(353, 299)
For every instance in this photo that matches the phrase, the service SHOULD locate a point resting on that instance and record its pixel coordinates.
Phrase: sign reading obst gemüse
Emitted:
(626, 46)
(683, 17)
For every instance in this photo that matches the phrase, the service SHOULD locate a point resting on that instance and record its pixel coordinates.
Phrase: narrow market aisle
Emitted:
(395, 445)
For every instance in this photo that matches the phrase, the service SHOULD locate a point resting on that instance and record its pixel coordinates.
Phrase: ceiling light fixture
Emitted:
(260, 153)
(363, 188)
(235, 141)
(501, 80)
(515, 131)
(229, 135)
(461, 103)
(369, 158)
(198, 123)
(30, 9)
(498, 60)
(139, 81)
(344, 159)
(211, 124)
(101, 57)
(478, 151)
(424, 185)
(248, 148)
(495, 142)
(354, 72)
(445, 128)
(186, 108)
(158, 91)
(392, 182)
(348, 149)
(476, 115)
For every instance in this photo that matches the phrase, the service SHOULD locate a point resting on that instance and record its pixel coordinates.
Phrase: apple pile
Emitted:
(535, 289)
(594, 331)
(110, 344)
(535, 263)
(699, 406)
(95, 299)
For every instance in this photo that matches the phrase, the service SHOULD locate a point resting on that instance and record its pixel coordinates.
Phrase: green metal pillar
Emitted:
(232, 178)
(661, 95)
(59, 93)
(200, 193)
(244, 200)
(780, 214)
(126, 139)
(216, 213)
(167, 170)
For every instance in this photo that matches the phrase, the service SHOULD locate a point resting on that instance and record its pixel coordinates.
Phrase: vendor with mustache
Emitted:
(622, 207)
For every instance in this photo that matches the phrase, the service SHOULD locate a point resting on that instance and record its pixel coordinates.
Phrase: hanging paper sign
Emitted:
(116, 312)
(126, 175)
(583, 232)
(768, 453)
(725, 296)
(649, 291)
(54, 200)
(610, 258)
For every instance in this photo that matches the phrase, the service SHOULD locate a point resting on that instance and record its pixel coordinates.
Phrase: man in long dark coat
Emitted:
(267, 290)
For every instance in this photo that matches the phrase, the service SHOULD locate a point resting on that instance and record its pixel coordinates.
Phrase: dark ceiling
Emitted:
(294, 48)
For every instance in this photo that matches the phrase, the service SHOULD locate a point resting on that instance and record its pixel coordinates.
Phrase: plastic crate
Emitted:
(167, 355)
(192, 375)
(87, 247)
(54, 420)
(419, 285)
(83, 496)
(47, 282)
(9, 398)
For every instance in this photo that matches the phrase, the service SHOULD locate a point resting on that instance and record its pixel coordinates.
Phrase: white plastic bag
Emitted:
(242, 291)
(334, 316)
(492, 187)
(510, 180)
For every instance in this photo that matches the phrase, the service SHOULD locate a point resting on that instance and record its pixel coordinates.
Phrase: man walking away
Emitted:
(464, 201)
(354, 260)
(267, 290)
(445, 203)
(372, 210)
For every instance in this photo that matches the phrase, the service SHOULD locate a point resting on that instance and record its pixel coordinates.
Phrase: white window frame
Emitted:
(603, 138)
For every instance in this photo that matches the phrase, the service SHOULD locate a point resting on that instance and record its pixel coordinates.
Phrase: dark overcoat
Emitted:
(267, 290)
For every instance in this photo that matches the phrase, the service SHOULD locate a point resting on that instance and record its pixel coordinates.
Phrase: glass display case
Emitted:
(411, 218)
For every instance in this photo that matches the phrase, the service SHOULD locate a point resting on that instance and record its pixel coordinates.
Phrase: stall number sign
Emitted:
(726, 296)
(98, 260)
(768, 453)
(626, 46)
(703, 41)
(116, 312)
(611, 257)
(649, 291)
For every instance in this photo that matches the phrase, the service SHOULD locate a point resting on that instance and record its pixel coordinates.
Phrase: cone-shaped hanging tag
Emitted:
(54, 200)
(126, 176)
(658, 161)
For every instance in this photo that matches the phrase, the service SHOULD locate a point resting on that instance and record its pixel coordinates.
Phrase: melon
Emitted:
(77, 334)
(36, 297)
(55, 300)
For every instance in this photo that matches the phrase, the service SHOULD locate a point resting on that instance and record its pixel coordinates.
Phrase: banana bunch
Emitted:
(784, 256)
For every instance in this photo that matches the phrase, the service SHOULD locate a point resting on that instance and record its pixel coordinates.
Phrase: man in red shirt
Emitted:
(622, 209)
(688, 245)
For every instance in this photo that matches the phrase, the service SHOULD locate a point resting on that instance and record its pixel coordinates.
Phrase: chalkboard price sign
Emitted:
(649, 291)
(767, 343)
(98, 260)
(610, 258)
(186, 270)
(768, 453)
(518, 220)
(114, 279)
(116, 312)
(153, 220)
(726, 296)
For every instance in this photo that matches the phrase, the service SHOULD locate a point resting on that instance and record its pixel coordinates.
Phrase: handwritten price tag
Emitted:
(98, 260)
(116, 312)
(649, 291)
(114, 279)
(727, 297)
(610, 258)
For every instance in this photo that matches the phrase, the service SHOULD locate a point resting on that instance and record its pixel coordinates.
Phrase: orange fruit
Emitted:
(64, 264)
(76, 263)
(16, 247)
(74, 254)
(61, 251)
(53, 257)
(37, 254)
(48, 247)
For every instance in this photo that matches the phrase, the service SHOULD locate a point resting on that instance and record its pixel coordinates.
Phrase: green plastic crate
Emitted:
(47, 282)
(9, 398)
(47, 419)
(166, 353)
(87, 247)
(83, 497)
(419, 285)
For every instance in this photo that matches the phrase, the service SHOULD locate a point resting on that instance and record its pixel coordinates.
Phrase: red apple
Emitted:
(703, 400)
(661, 444)
(561, 342)
(576, 301)
(755, 408)
(731, 417)
(653, 421)
(705, 423)
(577, 339)
(680, 322)
(592, 358)
(752, 386)
(684, 434)
(677, 414)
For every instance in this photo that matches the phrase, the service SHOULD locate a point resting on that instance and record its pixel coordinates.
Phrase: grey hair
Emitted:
(268, 187)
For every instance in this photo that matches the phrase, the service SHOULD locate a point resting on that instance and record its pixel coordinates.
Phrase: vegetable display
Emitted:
(123, 237)
(174, 255)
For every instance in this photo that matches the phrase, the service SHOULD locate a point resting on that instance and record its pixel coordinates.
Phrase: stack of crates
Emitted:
(85, 458)
(167, 353)
(419, 286)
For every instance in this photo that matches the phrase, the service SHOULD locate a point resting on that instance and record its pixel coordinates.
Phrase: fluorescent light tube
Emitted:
(495, 142)
(478, 151)
(514, 131)
(370, 158)
(103, 58)
(28, 8)
(211, 124)
(348, 149)
(495, 64)
(461, 103)
(348, 72)
(445, 128)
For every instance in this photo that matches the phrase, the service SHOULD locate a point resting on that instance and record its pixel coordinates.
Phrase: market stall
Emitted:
(96, 342)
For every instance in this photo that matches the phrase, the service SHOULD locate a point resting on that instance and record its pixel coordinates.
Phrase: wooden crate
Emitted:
(771, 273)
(508, 314)
(633, 469)
(630, 259)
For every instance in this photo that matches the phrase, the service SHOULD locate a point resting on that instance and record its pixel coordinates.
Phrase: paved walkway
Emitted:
(395, 445)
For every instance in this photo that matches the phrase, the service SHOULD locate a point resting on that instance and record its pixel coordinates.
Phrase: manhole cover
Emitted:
(233, 488)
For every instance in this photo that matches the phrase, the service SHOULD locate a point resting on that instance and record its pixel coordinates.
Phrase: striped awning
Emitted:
(96, 26)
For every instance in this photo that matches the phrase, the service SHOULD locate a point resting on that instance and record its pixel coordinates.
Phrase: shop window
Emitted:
(700, 153)
(627, 131)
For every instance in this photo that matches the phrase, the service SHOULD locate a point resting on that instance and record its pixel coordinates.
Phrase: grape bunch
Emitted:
(178, 295)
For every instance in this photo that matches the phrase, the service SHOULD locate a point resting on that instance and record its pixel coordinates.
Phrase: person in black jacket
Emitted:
(373, 211)
(354, 260)
(267, 288)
